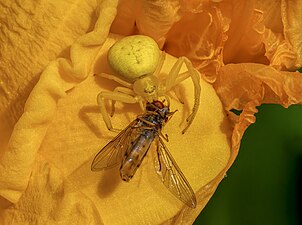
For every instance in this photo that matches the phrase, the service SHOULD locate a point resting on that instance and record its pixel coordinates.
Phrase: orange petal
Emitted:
(282, 41)
(200, 36)
(246, 86)
(239, 84)
(291, 17)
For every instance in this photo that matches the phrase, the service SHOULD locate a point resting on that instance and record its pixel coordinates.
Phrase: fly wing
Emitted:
(171, 175)
(111, 155)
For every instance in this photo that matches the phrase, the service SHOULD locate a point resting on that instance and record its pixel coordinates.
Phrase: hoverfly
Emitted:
(130, 146)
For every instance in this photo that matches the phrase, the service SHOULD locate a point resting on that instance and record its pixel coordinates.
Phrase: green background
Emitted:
(264, 184)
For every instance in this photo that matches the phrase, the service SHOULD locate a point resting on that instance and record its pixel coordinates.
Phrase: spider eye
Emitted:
(150, 89)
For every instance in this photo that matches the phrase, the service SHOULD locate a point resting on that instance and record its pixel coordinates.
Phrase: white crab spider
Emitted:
(137, 60)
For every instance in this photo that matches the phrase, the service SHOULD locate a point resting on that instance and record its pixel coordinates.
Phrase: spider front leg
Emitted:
(129, 92)
(174, 78)
(113, 96)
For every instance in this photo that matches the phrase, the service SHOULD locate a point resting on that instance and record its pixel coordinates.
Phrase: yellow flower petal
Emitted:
(32, 34)
(77, 133)
(59, 76)
(66, 128)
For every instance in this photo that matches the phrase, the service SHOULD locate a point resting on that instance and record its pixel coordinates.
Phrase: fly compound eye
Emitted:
(158, 104)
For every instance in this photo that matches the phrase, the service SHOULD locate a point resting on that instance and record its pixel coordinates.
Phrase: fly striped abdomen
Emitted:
(135, 154)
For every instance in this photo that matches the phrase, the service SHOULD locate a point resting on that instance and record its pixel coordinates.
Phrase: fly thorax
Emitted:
(147, 87)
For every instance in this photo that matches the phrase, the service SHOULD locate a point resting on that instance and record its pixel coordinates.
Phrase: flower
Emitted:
(244, 51)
